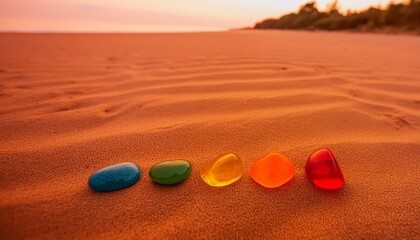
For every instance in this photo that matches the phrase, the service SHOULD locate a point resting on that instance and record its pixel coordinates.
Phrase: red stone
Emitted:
(323, 170)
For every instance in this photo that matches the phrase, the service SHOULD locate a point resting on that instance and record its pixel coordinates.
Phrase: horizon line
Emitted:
(121, 32)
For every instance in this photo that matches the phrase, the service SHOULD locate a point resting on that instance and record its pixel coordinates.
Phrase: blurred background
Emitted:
(168, 15)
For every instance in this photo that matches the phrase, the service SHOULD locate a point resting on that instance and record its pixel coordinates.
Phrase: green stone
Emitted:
(170, 172)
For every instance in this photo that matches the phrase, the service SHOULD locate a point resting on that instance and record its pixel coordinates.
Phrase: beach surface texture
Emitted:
(71, 104)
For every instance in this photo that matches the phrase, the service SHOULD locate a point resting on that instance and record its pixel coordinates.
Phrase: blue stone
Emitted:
(115, 177)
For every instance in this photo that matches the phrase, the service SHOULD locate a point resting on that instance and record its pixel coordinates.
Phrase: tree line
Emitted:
(395, 17)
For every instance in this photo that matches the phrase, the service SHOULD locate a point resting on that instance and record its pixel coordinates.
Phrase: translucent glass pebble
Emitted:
(272, 170)
(322, 170)
(223, 171)
(170, 172)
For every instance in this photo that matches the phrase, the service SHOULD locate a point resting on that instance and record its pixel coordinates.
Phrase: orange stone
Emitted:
(272, 170)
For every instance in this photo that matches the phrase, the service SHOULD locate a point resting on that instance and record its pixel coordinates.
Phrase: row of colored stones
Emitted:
(270, 171)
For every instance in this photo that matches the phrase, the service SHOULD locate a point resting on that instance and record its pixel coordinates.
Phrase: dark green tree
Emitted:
(333, 8)
(308, 8)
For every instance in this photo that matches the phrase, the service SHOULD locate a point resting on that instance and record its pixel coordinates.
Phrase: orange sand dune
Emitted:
(72, 104)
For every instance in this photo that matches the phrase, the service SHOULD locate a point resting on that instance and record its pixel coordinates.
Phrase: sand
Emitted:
(71, 104)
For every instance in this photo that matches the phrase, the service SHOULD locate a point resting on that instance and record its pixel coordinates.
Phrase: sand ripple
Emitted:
(71, 104)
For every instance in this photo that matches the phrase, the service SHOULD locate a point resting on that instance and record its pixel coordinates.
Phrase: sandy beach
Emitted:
(71, 104)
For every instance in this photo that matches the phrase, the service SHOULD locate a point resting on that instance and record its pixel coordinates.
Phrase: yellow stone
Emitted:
(223, 171)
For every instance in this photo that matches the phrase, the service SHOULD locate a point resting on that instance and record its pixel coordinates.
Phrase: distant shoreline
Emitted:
(377, 31)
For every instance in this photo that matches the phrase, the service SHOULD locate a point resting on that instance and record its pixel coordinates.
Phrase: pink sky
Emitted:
(147, 15)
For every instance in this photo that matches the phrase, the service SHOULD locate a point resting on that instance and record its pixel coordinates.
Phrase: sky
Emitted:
(148, 15)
